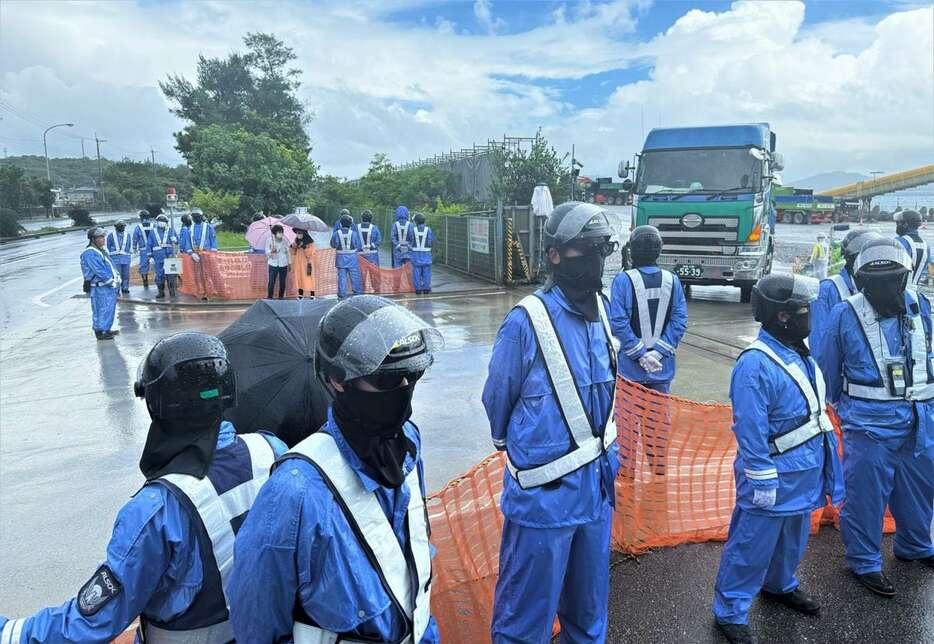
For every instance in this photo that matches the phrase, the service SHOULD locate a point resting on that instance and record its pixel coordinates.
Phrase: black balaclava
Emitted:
(180, 447)
(581, 279)
(793, 331)
(120, 227)
(372, 422)
(886, 294)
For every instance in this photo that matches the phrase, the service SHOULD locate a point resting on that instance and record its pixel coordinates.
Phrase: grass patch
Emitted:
(230, 241)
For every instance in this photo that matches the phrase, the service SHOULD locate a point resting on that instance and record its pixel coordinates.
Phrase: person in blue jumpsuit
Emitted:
(346, 242)
(120, 248)
(184, 234)
(877, 360)
(141, 244)
(907, 223)
(370, 239)
(399, 237)
(161, 565)
(321, 555)
(101, 283)
(644, 356)
(420, 240)
(786, 463)
(558, 492)
(837, 288)
(161, 247)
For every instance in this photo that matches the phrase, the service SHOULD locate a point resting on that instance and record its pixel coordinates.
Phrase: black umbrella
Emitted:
(272, 350)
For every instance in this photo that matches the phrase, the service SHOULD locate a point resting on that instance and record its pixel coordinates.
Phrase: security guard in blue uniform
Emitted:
(370, 238)
(549, 400)
(345, 240)
(101, 283)
(336, 547)
(172, 547)
(786, 464)
(877, 360)
(837, 288)
(907, 223)
(648, 314)
(399, 237)
(141, 244)
(120, 249)
(162, 240)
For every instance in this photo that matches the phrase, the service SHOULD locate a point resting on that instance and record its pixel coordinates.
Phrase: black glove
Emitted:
(87, 286)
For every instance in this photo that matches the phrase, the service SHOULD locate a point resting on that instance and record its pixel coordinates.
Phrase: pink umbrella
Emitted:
(260, 231)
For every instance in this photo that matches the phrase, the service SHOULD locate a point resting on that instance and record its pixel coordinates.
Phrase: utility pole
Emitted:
(874, 173)
(45, 148)
(82, 148)
(100, 168)
(153, 153)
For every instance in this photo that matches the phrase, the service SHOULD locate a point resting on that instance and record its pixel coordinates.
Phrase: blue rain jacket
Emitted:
(153, 554)
(845, 353)
(296, 543)
(526, 421)
(191, 234)
(768, 403)
(402, 216)
(346, 260)
(141, 236)
(120, 242)
(624, 315)
(95, 268)
(902, 239)
(420, 257)
(376, 238)
(823, 305)
(158, 254)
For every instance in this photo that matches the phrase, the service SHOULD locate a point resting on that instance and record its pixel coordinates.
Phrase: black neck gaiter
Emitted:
(580, 279)
(179, 447)
(792, 332)
(371, 423)
(887, 296)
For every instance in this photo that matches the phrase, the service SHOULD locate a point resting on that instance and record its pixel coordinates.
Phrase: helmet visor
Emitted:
(804, 290)
(585, 220)
(389, 330)
(889, 253)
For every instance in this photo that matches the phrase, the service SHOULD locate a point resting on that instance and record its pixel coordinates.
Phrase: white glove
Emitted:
(764, 499)
(196, 257)
(651, 361)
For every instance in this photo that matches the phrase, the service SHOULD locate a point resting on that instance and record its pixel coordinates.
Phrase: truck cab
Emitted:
(708, 191)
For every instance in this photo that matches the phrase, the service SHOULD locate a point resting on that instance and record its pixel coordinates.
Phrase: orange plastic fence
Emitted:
(243, 276)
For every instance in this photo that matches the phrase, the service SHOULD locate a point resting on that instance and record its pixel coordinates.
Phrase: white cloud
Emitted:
(483, 11)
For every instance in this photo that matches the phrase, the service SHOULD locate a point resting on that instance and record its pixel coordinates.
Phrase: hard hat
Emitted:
(882, 257)
(645, 245)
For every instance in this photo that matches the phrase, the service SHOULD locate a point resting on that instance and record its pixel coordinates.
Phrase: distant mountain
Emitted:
(827, 180)
(67, 172)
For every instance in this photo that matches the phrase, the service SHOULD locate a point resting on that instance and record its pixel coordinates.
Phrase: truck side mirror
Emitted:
(627, 185)
(778, 161)
(623, 169)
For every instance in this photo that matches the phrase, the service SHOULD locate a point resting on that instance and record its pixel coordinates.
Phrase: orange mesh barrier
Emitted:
(244, 276)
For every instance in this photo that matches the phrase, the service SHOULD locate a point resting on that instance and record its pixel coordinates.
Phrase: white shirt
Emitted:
(281, 258)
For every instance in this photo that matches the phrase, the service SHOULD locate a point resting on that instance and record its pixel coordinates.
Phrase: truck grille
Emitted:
(703, 240)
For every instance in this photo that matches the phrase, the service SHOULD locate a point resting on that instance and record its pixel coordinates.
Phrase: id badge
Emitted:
(895, 370)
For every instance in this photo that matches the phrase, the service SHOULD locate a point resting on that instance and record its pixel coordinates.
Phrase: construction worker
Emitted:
(420, 239)
(120, 249)
(648, 314)
(171, 550)
(101, 283)
(837, 288)
(346, 242)
(786, 462)
(141, 244)
(819, 257)
(161, 247)
(907, 223)
(336, 546)
(549, 400)
(370, 239)
(877, 360)
(399, 236)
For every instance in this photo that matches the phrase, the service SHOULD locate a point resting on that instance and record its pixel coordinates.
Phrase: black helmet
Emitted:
(369, 336)
(144, 214)
(574, 221)
(198, 215)
(96, 231)
(162, 219)
(186, 375)
(120, 225)
(367, 215)
(645, 245)
(186, 219)
(882, 257)
(782, 292)
(346, 220)
(848, 247)
(910, 219)
(419, 219)
(344, 211)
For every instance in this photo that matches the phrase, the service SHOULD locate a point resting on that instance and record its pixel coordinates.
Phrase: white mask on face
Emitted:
(163, 225)
(278, 236)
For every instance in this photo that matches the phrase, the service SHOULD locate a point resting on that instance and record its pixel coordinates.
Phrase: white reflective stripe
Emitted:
(918, 266)
(402, 231)
(204, 230)
(12, 631)
(843, 291)
(346, 241)
(607, 330)
(421, 238)
(121, 249)
(651, 333)
(262, 455)
(499, 443)
(365, 231)
(106, 258)
(308, 634)
(664, 345)
(375, 528)
(161, 239)
(761, 475)
(635, 349)
(216, 634)
(590, 451)
(421, 553)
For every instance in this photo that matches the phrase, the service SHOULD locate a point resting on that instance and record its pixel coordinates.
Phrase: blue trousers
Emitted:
(351, 275)
(124, 276)
(421, 276)
(761, 552)
(398, 260)
(877, 475)
(144, 262)
(660, 387)
(103, 307)
(548, 571)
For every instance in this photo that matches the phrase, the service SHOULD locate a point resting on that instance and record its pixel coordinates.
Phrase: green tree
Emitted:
(134, 198)
(216, 204)
(115, 198)
(11, 186)
(516, 172)
(42, 191)
(9, 227)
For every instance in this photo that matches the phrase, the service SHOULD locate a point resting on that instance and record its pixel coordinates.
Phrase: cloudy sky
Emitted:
(846, 85)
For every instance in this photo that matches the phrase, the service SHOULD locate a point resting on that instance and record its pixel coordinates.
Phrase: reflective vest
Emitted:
(202, 236)
(163, 240)
(589, 443)
(121, 249)
(215, 513)
(110, 265)
(650, 334)
(843, 289)
(346, 242)
(144, 233)
(402, 233)
(919, 258)
(421, 239)
(921, 388)
(377, 539)
(366, 231)
(817, 421)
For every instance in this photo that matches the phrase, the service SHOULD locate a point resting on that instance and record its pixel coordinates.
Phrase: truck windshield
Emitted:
(701, 171)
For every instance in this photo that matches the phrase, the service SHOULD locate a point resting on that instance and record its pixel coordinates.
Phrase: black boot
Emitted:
(161, 293)
(103, 335)
(878, 583)
(145, 280)
(796, 600)
(927, 561)
(737, 633)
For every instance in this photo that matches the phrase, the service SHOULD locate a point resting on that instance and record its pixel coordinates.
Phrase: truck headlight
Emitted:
(750, 250)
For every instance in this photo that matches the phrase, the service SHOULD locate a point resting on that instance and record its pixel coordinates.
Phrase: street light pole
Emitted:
(45, 147)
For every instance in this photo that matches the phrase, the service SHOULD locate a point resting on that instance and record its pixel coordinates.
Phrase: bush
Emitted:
(9, 227)
(81, 217)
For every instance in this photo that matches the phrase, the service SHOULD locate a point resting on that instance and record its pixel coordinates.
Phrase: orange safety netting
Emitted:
(244, 276)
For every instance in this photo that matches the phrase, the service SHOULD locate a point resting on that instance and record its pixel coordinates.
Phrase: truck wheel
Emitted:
(787, 218)
(799, 217)
(745, 293)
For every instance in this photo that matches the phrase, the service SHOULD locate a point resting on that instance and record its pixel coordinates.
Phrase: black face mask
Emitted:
(120, 229)
(371, 422)
(179, 447)
(580, 279)
(793, 331)
(886, 295)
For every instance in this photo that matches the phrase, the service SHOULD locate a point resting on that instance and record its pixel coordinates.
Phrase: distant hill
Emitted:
(827, 180)
(68, 172)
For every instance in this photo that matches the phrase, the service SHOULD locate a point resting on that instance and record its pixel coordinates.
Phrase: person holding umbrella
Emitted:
(278, 259)
(303, 263)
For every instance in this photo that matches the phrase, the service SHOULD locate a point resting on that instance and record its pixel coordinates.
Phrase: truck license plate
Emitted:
(689, 271)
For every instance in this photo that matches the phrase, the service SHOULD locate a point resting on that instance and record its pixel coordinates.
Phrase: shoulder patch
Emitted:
(99, 589)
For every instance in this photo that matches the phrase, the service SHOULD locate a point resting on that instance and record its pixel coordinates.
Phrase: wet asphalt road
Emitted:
(71, 433)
